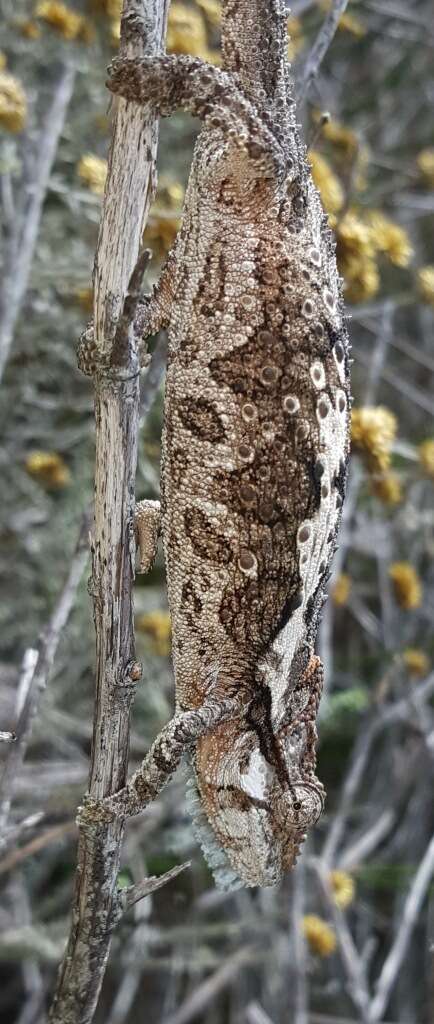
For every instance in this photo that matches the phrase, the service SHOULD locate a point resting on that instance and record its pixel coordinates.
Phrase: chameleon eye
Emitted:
(297, 805)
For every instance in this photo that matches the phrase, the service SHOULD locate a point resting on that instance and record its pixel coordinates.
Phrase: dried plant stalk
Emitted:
(129, 190)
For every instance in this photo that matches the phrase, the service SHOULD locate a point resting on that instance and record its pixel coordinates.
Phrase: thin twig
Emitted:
(319, 49)
(22, 246)
(351, 961)
(407, 921)
(361, 750)
(209, 989)
(37, 665)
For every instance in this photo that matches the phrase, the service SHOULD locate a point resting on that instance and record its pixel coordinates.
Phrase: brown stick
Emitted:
(129, 190)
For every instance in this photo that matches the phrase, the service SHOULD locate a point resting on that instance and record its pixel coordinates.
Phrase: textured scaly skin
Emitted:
(255, 439)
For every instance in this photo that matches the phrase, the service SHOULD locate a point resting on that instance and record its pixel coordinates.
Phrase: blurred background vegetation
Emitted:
(358, 911)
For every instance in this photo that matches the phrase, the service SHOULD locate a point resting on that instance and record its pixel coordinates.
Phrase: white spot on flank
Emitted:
(317, 373)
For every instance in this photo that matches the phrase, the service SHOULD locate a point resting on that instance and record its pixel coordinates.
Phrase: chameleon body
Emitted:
(255, 446)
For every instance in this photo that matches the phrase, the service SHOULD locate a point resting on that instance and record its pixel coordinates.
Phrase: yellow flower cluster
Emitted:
(28, 28)
(186, 33)
(13, 103)
(84, 297)
(327, 182)
(343, 888)
(389, 238)
(355, 253)
(319, 935)
(295, 37)
(416, 662)
(425, 163)
(347, 22)
(358, 244)
(49, 469)
(425, 284)
(157, 627)
(165, 218)
(406, 585)
(426, 456)
(373, 430)
(212, 10)
(93, 172)
(387, 488)
(341, 590)
(68, 23)
(348, 151)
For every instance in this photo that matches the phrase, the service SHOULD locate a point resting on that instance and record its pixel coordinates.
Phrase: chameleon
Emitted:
(254, 449)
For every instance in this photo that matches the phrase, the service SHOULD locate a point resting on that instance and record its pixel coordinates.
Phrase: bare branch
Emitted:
(396, 955)
(37, 665)
(22, 244)
(129, 189)
(319, 49)
(205, 993)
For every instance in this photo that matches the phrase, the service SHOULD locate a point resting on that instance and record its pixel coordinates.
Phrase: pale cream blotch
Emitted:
(318, 376)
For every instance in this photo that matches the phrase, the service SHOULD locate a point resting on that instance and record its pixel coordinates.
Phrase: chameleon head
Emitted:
(257, 809)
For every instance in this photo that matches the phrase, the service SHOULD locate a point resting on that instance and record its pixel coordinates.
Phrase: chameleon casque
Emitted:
(255, 449)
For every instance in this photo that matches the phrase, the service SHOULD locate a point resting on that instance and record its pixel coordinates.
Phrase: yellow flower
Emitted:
(28, 28)
(426, 456)
(84, 297)
(362, 280)
(327, 183)
(425, 284)
(387, 488)
(157, 626)
(345, 140)
(319, 935)
(406, 584)
(295, 40)
(389, 238)
(425, 163)
(93, 172)
(348, 23)
(212, 10)
(341, 589)
(373, 430)
(165, 217)
(186, 33)
(3, 60)
(416, 662)
(112, 8)
(48, 468)
(68, 23)
(343, 888)
(13, 103)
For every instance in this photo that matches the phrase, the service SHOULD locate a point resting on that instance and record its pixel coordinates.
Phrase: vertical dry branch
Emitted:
(129, 190)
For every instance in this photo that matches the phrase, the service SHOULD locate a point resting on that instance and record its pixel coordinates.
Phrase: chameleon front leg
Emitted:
(166, 752)
(175, 81)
